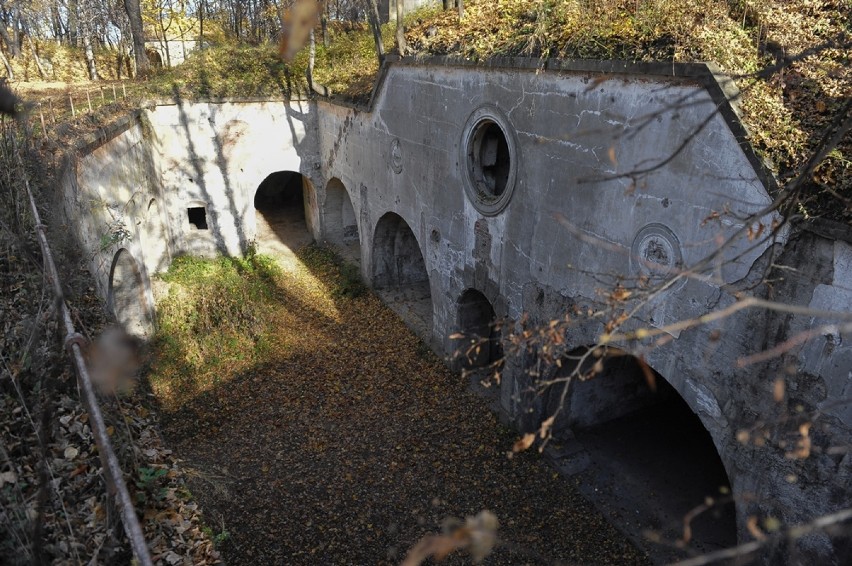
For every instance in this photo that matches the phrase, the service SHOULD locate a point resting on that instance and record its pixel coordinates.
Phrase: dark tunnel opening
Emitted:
(280, 205)
(480, 346)
(652, 461)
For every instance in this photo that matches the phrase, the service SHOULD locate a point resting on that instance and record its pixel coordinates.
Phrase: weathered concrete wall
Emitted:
(113, 206)
(814, 272)
(609, 171)
(127, 190)
(602, 176)
(215, 155)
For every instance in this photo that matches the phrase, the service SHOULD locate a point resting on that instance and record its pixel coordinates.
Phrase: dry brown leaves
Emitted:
(349, 442)
(54, 506)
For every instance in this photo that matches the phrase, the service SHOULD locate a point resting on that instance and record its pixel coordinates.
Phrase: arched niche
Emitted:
(126, 296)
(397, 260)
(340, 221)
(398, 273)
(480, 344)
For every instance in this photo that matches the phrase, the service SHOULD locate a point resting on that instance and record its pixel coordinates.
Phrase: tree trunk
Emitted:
(324, 26)
(90, 55)
(41, 72)
(73, 23)
(400, 28)
(461, 8)
(56, 22)
(373, 17)
(134, 14)
(312, 42)
(9, 72)
(13, 48)
(383, 8)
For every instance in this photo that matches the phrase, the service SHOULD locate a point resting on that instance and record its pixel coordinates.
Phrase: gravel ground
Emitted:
(353, 443)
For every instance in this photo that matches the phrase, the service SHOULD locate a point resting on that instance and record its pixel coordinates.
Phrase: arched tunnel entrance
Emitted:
(126, 296)
(341, 224)
(280, 203)
(650, 459)
(399, 273)
(480, 345)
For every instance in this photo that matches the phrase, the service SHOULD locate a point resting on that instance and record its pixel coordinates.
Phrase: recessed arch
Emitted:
(126, 296)
(281, 204)
(340, 222)
(399, 275)
(480, 345)
(650, 451)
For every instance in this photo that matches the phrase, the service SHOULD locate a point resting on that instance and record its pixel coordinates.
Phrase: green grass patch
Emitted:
(232, 70)
(214, 321)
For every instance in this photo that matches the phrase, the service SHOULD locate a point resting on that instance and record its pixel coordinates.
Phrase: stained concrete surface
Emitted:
(644, 472)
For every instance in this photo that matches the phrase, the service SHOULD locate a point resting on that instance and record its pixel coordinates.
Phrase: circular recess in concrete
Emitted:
(396, 156)
(655, 252)
(489, 158)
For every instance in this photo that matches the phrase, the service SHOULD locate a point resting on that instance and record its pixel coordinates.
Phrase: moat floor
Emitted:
(357, 442)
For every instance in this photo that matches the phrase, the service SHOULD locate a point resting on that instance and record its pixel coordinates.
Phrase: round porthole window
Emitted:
(656, 253)
(489, 160)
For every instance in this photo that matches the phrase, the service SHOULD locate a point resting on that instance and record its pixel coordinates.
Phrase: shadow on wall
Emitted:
(197, 175)
(155, 239)
(127, 298)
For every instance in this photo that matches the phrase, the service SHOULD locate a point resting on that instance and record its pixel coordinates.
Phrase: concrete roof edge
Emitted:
(91, 141)
(721, 87)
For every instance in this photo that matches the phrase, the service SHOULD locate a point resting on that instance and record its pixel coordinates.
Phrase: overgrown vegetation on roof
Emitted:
(785, 112)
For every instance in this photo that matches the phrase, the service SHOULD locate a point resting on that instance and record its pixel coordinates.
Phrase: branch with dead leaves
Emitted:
(477, 535)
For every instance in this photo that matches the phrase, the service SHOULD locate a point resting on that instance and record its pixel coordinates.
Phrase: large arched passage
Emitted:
(480, 345)
(126, 296)
(340, 222)
(652, 459)
(280, 204)
(399, 273)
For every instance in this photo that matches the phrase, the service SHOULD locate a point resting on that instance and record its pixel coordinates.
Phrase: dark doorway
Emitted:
(480, 345)
(652, 459)
(280, 203)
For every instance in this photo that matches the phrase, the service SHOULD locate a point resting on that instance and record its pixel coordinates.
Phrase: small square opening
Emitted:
(197, 217)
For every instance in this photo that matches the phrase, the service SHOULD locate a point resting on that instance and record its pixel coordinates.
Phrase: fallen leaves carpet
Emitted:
(352, 441)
